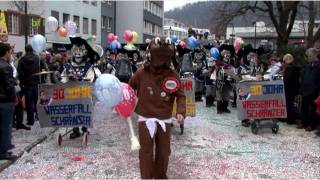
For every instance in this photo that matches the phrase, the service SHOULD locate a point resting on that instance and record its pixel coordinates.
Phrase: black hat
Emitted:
(228, 48)
(92, 54)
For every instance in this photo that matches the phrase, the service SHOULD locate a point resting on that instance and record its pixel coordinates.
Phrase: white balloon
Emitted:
(51, 24)
(38, 43)
(71, 27)
(148, 40)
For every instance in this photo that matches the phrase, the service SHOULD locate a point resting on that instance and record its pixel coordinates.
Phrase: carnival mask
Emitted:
(226, 56)
(162, 52)
(78, 52)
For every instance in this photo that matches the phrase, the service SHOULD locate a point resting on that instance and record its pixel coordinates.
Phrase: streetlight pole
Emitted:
(255, 34)
(26, 21)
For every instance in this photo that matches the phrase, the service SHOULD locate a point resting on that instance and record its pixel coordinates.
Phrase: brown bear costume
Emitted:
(157, 86)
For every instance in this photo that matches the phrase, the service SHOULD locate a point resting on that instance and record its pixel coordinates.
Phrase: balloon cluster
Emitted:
(131, 37)
(114, 94)
(114, 43)
(174, 38)
(68, 29)
(121, 96)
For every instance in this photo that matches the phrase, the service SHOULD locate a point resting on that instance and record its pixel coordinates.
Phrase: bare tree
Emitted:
(281, 13)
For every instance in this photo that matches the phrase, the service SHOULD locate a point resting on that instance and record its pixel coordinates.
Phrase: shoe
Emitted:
(75, 133)
(310, 128)
(245, 123)
(30, 123)
(11, 146)
(300, 126)
(22, 126)
(37, 117)
(8, 156)
(227, 111)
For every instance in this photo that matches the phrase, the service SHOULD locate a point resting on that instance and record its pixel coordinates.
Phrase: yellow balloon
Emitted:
(135, 37)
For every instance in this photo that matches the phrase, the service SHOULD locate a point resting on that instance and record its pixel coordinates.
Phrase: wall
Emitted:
(108, 11)
(129, 15)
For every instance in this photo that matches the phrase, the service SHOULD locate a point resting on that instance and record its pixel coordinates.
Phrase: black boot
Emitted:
(209, 101)
(75, 133)
(84, 130)
(219, 107)
(225, 107)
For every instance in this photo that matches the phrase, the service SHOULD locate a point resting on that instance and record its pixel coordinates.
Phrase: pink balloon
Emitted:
(128, 36)
(128, 101)
(237, 43)
(110, 37)
(115, 37)
(183, 44)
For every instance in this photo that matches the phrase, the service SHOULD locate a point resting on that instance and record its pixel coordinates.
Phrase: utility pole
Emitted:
(255, 34)
(26, 22)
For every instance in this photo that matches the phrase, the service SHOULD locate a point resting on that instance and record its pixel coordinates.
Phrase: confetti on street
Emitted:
(212, 146)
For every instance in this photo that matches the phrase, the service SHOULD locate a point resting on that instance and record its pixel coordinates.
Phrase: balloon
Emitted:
(135, 37)
(38, 43)
(118, 45)
(114, 45)
(148, 41)
(128, 35)
(215, 54)
(192, 42)
(51, 24)
(107, 89)
(182, 44)
(174, 38)
(71, 27)
(62, 32)
(237, 43)
(110, 37)
(128, 101)
(115, 37)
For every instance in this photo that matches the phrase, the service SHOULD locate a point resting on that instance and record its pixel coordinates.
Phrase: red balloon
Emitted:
(128, 36)
(128, 101)
(115, 37)
(110, 37)
(62, 32)
(183, 44)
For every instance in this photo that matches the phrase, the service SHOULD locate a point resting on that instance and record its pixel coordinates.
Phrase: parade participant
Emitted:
(80, 67)
(157, 86)
(225, 73)
(210, 73)
(200, 64)
(125, 66)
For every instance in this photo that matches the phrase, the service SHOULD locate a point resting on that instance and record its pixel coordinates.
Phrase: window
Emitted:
(93, 27)
(94, 3)
(153, 29)
(109, 2)
(55, 14)
(34, 24)
(76, 19)
(85, 24)
(65, 17)
(146, 4)
(109, 24)
(13, 23)
(86, 2)
(103, 22)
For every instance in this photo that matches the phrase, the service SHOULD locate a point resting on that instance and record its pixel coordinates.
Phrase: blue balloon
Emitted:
(107, 88)
(215, 54)
(114, 45)
(192, 42)
(174, 38)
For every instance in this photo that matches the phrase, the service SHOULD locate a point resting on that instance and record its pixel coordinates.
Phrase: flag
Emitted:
(3, 25)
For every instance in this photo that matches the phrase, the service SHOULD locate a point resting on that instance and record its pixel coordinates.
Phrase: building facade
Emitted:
(144, 17)
(174, 27)
(21, 28)
(86, 14)
(108, 20)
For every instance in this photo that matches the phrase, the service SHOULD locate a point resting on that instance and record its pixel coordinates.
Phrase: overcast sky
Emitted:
(171, 4)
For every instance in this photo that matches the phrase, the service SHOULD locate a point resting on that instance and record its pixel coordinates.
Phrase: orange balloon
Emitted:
(62, 32)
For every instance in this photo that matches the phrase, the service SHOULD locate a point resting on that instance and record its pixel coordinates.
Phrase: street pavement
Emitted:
(213, 146)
